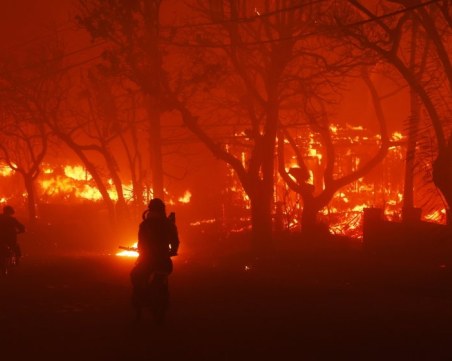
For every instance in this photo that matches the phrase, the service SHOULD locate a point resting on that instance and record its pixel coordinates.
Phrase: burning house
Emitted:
(382, 188)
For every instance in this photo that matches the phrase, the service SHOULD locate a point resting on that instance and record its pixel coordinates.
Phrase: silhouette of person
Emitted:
(158, 241)
(10, 227)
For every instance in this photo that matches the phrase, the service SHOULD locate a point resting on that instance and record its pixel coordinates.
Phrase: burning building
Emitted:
(381, 188)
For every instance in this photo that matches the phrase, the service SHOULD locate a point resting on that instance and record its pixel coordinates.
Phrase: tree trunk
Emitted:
(31, 198)
(92, 170)
(310, 225)
(408, 190)
(442, 173)
(111, 165)
(151, 14)
(135, 167)
(309, 217)
(155, 145)
(261, 220)
(408, 211)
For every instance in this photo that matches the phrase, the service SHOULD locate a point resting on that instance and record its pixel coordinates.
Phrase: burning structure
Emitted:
(382, 188)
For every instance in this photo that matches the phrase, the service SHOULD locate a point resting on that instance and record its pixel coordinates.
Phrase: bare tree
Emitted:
(247, 68)
(29, 92)
(382, 30)
(299, 179)
(98, 118)
(23, 145)
(132, 31)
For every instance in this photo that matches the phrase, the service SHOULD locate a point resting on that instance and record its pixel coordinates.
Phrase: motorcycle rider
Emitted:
(158, 241)
(10, 227)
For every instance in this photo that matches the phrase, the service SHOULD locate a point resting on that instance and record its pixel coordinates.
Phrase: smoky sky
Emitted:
(27, 22)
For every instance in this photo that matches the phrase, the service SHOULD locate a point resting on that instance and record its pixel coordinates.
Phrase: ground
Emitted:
(312, 305)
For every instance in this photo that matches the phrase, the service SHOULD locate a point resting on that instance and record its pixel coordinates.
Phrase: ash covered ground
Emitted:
(300, 303)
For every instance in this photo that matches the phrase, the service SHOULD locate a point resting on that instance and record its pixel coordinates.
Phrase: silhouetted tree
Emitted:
(29, 93)
(249, 67)
(98, 114)
(23, 145)
(382, 30)
(133, 50)
(299, 178)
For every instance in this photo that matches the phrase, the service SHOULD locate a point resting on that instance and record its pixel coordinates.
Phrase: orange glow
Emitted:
(397, 136)
(381, 188)
(77, 172)
(5, 171)
(438, 216)
(128, 253)
(204, 221)
(186, 197)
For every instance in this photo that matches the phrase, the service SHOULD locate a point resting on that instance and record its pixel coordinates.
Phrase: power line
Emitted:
(314, 33)
(79, 64)
(243, 19)
(65, 55)
(62, 28)
(305, 35)
(69, 25)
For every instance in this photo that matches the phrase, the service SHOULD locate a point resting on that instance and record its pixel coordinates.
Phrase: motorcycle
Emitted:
(8, 260)
(149, 293)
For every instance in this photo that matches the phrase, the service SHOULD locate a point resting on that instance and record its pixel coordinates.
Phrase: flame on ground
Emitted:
(127, 253)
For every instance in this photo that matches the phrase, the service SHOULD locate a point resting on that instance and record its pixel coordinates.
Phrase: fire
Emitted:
(186, 197)
(5, 171)
(128, 253)
(68, 189)
(77, 172)
(436, 216)
(396, 136)
(381, 188)
(204, 221)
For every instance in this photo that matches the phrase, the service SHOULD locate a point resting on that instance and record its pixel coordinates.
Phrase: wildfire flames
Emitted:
(128, 253)
(382, 188)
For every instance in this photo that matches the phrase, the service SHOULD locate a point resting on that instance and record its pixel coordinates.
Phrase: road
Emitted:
(310, 307)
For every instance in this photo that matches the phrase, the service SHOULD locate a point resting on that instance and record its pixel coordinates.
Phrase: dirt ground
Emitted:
(311, 306)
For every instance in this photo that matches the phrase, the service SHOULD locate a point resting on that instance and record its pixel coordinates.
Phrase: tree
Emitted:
(94, 128)
(299, 178)
(251, 68)
(383, 32)
(29, 93)
(23, 145)
(98, 118)
(231, 79)
(132, 31)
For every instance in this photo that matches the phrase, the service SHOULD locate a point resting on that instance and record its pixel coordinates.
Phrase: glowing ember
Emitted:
(5, 171)
(397, 136)
(205, 221)
(436, 216)
(186, 197)
(129, 252)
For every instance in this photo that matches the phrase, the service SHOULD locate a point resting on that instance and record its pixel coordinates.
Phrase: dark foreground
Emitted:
(312, 307)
